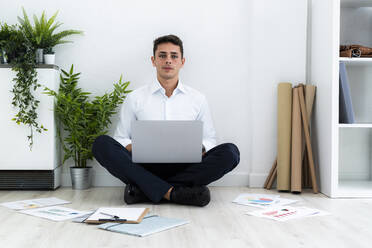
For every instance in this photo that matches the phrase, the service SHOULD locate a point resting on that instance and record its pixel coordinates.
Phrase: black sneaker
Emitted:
(132, 195)
(196, 195)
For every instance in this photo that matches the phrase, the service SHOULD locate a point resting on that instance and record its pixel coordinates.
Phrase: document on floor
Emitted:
(287, 213)
(123, 215)
(55, 213)
(148, 226)
(34, 203)
(262, 200)
(83, 218)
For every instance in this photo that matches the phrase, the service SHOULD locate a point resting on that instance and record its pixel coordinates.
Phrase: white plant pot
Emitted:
(49, 59)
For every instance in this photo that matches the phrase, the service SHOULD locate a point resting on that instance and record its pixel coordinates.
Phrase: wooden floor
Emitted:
(220, 224)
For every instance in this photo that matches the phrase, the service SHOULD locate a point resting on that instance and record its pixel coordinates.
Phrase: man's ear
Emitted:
(153, 61)
(183, 61)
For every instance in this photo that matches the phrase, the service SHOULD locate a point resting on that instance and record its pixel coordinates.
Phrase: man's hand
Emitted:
(129, 147)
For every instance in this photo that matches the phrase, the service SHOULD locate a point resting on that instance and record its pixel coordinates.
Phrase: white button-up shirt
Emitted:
(150, 103)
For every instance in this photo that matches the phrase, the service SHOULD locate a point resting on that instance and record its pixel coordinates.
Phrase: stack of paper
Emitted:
(287, 213)
(262, 200)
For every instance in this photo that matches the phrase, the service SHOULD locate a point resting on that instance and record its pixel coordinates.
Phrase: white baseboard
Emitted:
(257, 180)
(238, 179)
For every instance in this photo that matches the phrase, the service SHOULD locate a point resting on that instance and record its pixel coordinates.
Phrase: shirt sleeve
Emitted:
(123, 133)
(209, 134)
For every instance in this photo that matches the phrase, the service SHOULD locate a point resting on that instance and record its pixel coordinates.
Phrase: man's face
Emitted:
(168, 61)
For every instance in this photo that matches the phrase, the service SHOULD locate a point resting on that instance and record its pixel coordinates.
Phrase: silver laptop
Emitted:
(167, 141)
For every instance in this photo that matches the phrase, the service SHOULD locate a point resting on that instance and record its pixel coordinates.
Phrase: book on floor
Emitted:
(148, 226)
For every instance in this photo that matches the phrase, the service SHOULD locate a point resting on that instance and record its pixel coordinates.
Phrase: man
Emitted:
(166, 98)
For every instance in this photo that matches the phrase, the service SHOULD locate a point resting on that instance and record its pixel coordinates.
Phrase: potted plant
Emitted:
(19, 52)
(49, 56)
(83, 119)
(42, 34)
(6, 32)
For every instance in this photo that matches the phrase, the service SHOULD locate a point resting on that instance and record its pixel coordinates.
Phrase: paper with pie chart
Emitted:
(262, 200)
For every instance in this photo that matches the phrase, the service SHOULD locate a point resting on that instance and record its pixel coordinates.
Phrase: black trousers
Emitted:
(156, 179)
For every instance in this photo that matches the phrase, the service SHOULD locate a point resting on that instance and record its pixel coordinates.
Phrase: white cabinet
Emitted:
(344, 151)
(16, 158)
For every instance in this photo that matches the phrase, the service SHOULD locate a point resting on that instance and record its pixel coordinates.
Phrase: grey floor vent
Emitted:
(30, 179)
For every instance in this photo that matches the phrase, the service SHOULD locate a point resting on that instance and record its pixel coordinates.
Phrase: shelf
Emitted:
(355, 125)
(39, 66)
(354, 188)
(356, 61)
(356, 3)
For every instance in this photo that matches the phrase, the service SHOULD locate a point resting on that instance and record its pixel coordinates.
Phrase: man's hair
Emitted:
(168, 39)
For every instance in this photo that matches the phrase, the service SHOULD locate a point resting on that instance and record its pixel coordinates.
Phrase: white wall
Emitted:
(279, 41)
(236, 52)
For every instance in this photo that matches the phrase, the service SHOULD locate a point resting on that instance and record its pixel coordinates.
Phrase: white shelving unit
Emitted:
(21, 167)
(343, 151)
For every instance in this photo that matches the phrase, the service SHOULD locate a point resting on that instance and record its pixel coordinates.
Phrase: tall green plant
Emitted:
(82, 119)
(42, 34)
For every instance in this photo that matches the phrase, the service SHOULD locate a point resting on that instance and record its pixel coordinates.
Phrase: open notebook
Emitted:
(118, 215)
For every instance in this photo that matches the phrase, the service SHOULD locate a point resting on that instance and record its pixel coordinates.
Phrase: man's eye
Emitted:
(162, 56)
(174, 56)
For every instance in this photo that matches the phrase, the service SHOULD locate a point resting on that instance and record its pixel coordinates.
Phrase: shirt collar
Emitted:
(156, 86)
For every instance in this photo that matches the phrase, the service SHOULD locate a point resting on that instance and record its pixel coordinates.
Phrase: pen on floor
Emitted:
(114, 219)
(110, 215)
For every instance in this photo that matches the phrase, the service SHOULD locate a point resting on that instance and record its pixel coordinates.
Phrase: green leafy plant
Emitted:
(5, 33)
(83, 119)
(11, 41)
(19, 43)
(48, 50)
(42, 34)
(21, 55)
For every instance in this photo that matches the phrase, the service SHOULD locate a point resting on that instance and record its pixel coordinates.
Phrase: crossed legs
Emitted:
(155, 180)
